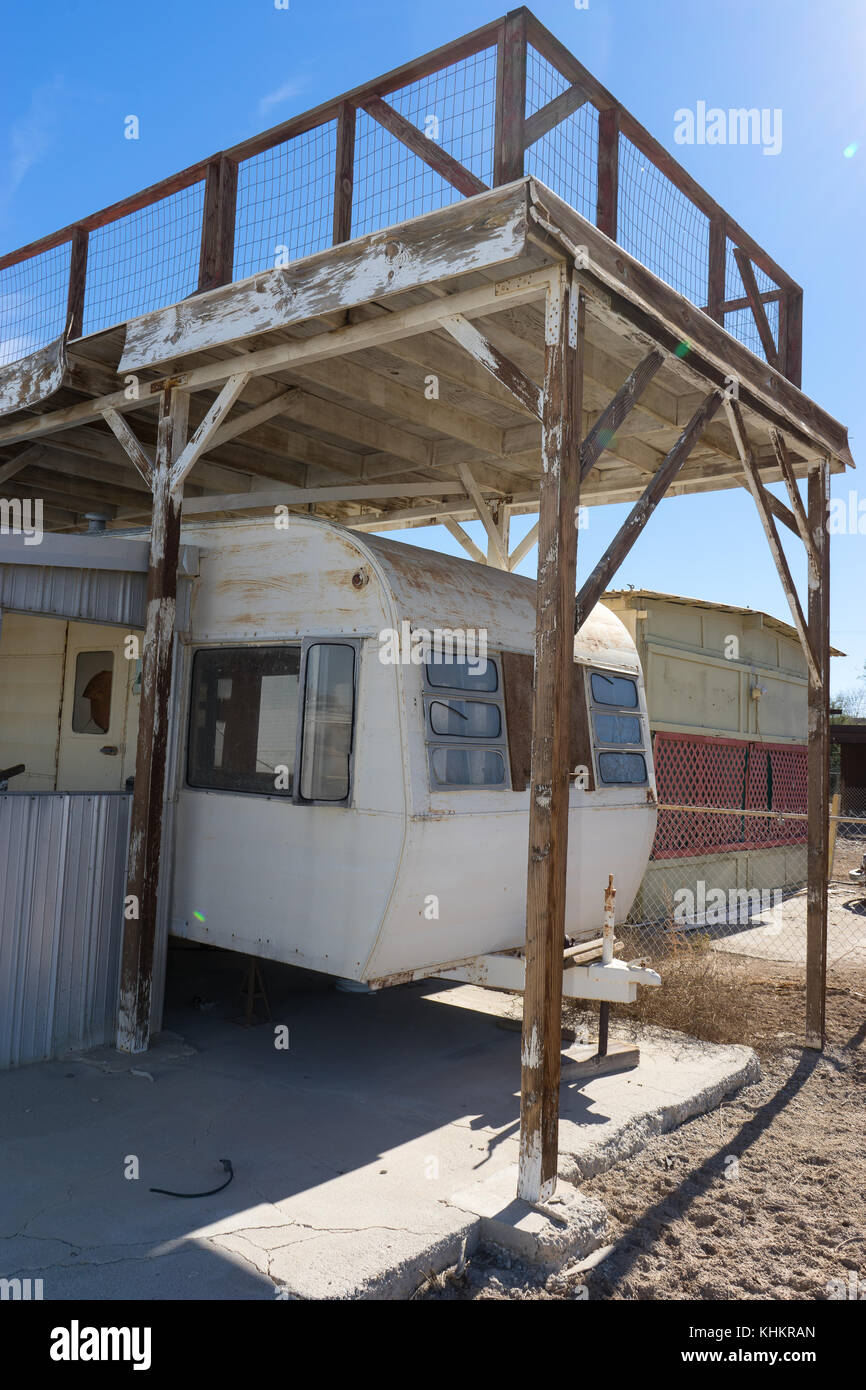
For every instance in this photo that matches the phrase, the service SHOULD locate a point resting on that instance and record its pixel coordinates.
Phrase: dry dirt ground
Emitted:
(761, 1199)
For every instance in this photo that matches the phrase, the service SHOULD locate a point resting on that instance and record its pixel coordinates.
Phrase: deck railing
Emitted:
(505, 101)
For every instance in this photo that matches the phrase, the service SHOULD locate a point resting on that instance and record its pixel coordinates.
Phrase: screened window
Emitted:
(244, 719)
(465, 736)
(614, 690)
(465, 718)
(480, 676)
(621, 768)
(615, 728)
(329, 715)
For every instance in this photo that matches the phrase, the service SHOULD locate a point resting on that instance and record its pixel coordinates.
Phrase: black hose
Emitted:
(227, 1165)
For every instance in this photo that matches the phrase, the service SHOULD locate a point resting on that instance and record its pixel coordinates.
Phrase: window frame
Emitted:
(301, 644)
(432, 694)
(604, 746)
(306, 644)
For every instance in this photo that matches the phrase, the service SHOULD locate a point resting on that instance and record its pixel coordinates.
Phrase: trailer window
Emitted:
(465, 737)
(612, 697)
(329, 719)
(244, 719)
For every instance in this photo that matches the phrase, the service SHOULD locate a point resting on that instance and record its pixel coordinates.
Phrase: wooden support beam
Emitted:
(753, 294)
(28, 456)
(120, 429)
(502, 521)
(716, 270)
(791, 334)
(427, 149)
(640, 514)
(488, 355)
(543, 120)
(208, 428)
(508, 152)
(548, 801)
(344, 173)
(523, 547)
(798, 511)
(756, 486)
(607, 196)
(818, 761)
(145, 834)
(463, 538)
(77, 283)
(216, 256)
(240, 424)
(613, 415)
(466, 477)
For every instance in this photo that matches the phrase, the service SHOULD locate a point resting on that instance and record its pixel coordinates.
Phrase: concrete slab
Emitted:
(348, 1147)
(565, 1229)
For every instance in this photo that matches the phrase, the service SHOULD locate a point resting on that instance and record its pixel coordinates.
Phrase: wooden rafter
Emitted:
(759, 492)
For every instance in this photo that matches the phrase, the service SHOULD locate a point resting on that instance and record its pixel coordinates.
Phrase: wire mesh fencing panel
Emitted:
(847, 873)
(283, 207)
(565, 158)
(145, 260)
(33, 295)
(729, 861)
(285, 201)
(454, 108)
(741, 322)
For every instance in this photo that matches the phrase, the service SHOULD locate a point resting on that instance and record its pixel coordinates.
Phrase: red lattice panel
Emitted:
(698, 770)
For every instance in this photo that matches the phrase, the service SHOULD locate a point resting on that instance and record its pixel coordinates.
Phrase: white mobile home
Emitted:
(350, 750)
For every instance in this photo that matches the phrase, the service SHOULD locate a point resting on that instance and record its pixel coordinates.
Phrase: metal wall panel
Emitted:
(92, 595)
(62, 879)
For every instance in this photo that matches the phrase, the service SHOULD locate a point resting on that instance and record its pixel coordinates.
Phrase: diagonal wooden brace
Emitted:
(759, 492)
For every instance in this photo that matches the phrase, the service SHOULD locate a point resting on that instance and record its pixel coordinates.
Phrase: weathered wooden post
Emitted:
(818, 757)
(139, 933)
(548, 804)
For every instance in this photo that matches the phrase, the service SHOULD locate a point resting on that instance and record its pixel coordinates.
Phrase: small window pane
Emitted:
(329, 709)
(447, 674)
(243, 719)
(614, 690)
(617, 728)
(465, 719)
(623, 768)
(467, 767)
(91, 706)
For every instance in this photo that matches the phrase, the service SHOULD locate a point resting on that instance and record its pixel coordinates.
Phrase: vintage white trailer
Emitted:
(350, 802)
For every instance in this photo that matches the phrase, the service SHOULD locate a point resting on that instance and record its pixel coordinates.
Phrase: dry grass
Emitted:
(703, 993)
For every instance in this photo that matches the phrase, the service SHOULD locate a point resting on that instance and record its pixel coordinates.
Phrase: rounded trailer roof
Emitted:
(435, 590)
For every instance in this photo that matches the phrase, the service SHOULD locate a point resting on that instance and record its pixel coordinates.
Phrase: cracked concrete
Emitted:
(381, 1146)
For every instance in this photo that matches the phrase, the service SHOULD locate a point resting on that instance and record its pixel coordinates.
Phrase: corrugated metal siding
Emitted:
(94, 595)
(62, 878)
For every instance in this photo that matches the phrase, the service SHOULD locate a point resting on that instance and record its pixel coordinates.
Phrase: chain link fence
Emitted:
(728, 868)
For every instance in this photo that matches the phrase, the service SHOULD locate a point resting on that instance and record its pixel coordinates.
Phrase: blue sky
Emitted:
(202, 77)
